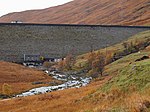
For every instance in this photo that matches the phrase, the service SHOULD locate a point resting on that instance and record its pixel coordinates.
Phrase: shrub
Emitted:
(7, 89)
(61, 65)
(109, 57)
(47, 64)
(96, 63)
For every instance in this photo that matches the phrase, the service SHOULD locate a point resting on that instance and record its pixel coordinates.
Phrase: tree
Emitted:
(90, 60)
(99, 63)
(69, 61)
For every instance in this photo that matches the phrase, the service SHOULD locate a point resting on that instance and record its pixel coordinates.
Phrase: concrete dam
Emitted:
(51, 40)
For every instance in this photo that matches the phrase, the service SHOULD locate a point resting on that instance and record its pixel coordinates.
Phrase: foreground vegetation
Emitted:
(16, 78)
(129, 89)
(123, 87)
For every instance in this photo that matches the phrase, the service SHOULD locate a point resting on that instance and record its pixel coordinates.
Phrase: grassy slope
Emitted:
(126, 89)
(20, 78)
(129, 88)
(135, 74)
(140, 37)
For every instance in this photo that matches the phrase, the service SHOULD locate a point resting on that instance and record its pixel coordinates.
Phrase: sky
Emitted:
(8, 6)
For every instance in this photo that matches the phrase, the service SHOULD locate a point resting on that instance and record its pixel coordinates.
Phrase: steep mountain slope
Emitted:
(122, 12)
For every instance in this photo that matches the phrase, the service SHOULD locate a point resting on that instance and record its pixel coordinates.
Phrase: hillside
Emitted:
(120, 12)
(20, 78)
(125, 89)
(141, 39)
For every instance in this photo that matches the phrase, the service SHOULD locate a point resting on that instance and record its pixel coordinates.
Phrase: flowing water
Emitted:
(70, 81)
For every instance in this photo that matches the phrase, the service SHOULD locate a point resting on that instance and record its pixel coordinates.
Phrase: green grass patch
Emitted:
(117, 109)
(135, 75)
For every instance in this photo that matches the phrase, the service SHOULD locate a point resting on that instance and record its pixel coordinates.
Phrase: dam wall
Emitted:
(51, 40)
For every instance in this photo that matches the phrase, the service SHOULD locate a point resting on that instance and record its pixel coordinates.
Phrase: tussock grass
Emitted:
(20, 78)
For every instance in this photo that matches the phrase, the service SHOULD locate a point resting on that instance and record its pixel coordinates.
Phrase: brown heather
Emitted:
(120, 12)
(20, 78)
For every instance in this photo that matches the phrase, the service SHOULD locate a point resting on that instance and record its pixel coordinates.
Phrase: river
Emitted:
(70, 81)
